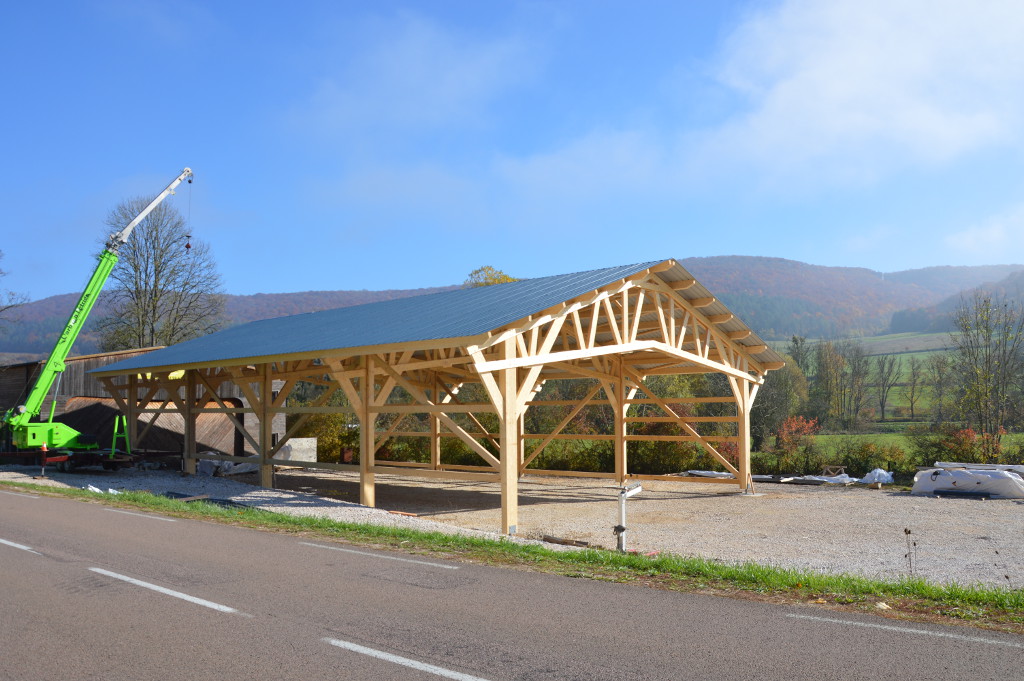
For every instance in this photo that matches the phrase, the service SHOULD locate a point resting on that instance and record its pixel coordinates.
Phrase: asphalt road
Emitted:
(88, 592)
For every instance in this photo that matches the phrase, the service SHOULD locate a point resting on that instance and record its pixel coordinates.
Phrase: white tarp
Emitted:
(997, 484)
(877, 475)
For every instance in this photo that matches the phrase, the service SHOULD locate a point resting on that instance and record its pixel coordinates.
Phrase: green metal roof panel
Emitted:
(448, 314)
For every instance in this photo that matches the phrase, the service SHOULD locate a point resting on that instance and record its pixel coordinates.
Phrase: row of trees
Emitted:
(978, 382)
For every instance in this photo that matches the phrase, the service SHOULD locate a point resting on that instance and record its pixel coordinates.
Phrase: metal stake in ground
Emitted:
(620, 529)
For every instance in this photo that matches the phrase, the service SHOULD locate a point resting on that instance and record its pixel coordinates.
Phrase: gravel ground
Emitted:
(826, 528)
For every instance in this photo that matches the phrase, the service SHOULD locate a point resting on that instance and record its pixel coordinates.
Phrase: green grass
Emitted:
(904, 343)
(910, 597)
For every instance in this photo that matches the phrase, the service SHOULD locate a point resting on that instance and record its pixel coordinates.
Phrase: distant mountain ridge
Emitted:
(939, 316)
(38, 323)
(780, 298)
(776, 297)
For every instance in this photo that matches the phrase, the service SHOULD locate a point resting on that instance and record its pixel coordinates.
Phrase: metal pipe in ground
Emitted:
(620, 529)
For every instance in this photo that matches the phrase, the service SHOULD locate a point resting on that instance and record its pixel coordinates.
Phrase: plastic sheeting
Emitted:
(213, 467)
(996, 484)
(877, 475)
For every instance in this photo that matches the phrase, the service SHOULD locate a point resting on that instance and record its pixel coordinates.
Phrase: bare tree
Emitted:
(857, 380)
(914, 387)
(938, 380)
(800, 352)
(8, 299)
(887, 374)
(167, 288)
(825, 403)
(840, 382)
(988, 359)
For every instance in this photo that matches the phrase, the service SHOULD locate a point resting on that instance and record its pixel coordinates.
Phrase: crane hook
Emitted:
(188, 243)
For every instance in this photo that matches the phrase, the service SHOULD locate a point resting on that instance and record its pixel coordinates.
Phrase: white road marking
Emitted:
(19, 494)
(404, 661)
(907, 630)
(378, 555)
(168, 592)
(19, 546)
(141, 515)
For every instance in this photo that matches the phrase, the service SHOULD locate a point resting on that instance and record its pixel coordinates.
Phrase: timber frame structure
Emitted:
(618, 327)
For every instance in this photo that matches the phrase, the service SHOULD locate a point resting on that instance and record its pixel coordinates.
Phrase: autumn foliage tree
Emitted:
(486, 276)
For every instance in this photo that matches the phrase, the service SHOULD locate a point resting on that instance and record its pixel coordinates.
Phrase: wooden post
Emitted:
(509, 443)
(367, 436)
(619, 408)
(741, 391)
(188, 457)
(435, 429)
(266, 418)
(132, 412)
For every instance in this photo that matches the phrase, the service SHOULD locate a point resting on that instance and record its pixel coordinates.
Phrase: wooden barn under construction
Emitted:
(469, 364)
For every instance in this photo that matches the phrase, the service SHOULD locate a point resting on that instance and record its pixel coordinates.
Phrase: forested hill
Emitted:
(779, 298)
(38, 323)
(776, 297)
(938, 317)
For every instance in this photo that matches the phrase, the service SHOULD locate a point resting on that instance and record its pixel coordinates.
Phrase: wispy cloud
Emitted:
(850, 90)
(604, 161)
(414, 75)
(1001, 234)
(178, 24)
(840, 93)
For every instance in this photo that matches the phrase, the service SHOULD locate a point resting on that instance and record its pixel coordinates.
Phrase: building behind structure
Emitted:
(82, 402)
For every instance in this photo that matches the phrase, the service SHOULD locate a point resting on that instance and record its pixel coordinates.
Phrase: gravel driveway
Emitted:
(826, 528)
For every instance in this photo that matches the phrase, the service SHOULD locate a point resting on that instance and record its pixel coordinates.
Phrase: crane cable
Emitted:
(188, 220)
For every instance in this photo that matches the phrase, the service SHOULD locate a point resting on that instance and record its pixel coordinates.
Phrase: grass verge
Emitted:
(909, 598)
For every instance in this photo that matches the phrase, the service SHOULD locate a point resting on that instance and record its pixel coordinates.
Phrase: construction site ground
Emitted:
(884, 533)
(829, 528)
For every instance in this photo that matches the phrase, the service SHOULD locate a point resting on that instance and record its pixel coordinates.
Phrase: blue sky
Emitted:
(350, 145)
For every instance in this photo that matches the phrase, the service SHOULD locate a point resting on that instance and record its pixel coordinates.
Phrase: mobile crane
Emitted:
(48, 435)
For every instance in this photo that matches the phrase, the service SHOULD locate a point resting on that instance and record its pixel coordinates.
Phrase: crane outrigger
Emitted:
(46, 435)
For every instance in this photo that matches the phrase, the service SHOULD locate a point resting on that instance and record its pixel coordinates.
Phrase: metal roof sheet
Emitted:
(448, 314)
(459, 313)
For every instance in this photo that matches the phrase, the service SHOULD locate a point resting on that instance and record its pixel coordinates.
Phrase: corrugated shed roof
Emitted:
(449, 314)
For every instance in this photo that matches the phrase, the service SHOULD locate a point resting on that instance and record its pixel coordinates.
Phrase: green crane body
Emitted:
(26, 434)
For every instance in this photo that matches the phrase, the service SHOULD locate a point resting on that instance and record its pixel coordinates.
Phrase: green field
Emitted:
(906, 343)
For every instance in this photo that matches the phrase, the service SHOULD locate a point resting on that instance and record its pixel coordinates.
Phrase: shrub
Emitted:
(861, 457)
(948, 442)
(795, 449)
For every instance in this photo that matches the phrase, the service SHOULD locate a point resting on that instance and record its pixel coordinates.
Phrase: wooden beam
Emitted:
(455, 427)
(561, 426)
(510, 443)
(367, 435)
(681, 285)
